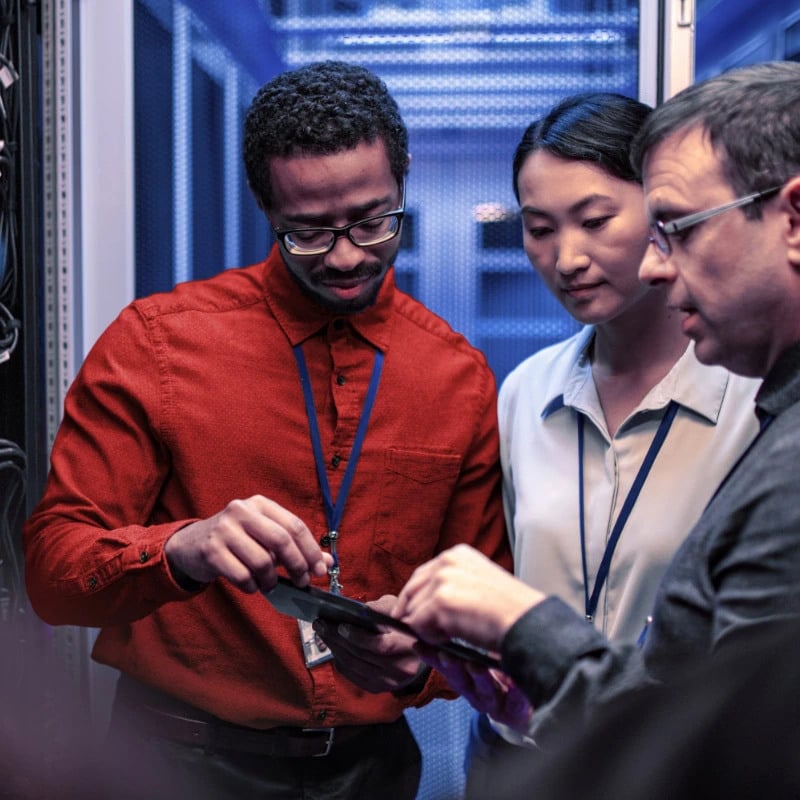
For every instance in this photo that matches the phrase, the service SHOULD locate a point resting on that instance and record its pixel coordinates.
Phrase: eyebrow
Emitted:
(575, 208)
(353, 212)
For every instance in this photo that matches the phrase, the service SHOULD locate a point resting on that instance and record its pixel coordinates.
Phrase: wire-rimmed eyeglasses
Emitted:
(374, 230)
(661, 231)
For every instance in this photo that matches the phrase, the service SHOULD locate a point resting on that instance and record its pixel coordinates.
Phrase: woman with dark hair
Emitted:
(613, 441)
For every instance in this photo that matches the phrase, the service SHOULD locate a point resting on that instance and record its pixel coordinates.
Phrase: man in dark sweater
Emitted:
(721, 168)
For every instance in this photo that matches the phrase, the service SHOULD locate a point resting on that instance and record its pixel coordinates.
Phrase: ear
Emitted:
(790, 205)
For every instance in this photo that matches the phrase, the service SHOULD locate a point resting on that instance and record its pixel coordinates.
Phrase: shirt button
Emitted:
(143, 556)
(321, 715)
(325, 540)
(336, 460)
(92, 581)
(340, 379)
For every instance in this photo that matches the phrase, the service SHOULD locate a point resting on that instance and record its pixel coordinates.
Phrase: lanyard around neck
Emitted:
(335, 510)
(633, 495)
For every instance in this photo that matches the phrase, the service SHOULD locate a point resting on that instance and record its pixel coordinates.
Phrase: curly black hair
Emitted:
(321, 108)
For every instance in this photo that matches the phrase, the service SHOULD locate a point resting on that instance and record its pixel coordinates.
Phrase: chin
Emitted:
(737, 362)
(586, 315)
(706, 353)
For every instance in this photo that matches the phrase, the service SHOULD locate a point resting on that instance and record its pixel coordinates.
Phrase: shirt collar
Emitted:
(300, 317)
(694, 386)
(697, 387)
(576, 372)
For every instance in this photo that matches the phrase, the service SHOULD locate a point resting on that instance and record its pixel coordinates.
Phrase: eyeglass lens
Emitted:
(371, 231)
(661, 231)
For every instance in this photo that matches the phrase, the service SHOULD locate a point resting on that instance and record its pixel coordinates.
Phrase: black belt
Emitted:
(222, 736)
(181, 723)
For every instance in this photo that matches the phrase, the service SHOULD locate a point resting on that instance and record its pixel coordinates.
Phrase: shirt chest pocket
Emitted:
(416, 489)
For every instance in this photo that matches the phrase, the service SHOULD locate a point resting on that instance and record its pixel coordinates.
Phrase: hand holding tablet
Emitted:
(311, 602)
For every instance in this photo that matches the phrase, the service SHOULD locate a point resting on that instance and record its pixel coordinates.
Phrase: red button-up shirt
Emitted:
(191, 399)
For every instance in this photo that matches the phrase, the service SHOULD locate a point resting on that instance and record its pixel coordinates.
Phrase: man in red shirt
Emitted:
(299, 415)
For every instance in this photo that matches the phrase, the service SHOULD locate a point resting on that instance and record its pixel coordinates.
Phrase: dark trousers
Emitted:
(382, 763)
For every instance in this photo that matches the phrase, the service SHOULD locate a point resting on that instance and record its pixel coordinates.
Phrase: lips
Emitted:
(580, 289)
(682, 305)
(348, 284)
(333, 279)
(690, 321)
(682, 308)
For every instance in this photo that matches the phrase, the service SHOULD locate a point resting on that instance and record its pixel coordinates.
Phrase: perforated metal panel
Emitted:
(469, 77)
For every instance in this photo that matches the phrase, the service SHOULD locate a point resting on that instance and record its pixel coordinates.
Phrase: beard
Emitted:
(314, 283)
(345, 306)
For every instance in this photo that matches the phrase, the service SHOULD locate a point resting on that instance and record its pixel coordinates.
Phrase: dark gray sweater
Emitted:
(739, 566)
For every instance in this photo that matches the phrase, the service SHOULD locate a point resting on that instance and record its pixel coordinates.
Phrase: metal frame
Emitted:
(60, 284)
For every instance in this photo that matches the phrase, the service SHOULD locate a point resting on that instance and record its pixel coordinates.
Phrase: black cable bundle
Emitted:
(9, 127)
(12, 502)
(13, 461)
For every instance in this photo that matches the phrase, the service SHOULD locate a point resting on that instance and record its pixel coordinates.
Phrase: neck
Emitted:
(648, 336)
(632, 353)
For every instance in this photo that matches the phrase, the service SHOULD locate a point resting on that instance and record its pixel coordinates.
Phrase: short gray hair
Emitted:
(751, 116)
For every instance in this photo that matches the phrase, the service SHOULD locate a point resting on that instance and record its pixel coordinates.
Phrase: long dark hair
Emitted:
(596, 126)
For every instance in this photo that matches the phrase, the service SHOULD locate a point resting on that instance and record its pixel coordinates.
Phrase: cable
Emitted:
(13, 461)
(9, 333)
(12, 499)
(9, 127)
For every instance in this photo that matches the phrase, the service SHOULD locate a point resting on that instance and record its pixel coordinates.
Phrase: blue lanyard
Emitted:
(335, 510)
(630, 501)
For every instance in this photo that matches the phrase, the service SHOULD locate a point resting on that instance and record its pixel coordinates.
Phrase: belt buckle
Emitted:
(328, 739)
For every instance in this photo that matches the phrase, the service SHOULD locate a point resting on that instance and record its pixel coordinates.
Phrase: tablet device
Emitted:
(311, 602)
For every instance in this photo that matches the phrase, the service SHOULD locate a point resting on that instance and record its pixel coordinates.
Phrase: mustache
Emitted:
(324, 275)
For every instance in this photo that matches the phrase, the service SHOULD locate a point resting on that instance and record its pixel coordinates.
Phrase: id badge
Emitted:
(315, 650)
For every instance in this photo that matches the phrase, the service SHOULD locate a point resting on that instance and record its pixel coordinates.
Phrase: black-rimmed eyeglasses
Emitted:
(374, 230)
(661, 231)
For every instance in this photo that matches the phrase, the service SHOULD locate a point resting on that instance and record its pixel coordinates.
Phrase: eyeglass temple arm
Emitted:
(700, 216)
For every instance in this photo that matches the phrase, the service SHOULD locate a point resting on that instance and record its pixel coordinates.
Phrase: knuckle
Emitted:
(281, 538)
(295, 527)
(237, 506)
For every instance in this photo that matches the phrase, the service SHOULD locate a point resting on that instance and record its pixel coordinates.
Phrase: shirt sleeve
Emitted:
(567, 668)
(475, 513)
(93, 555)
(737, 569)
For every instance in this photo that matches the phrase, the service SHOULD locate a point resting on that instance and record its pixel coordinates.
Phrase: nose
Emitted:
(571, 255)
(656, 268)
(344, 255)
